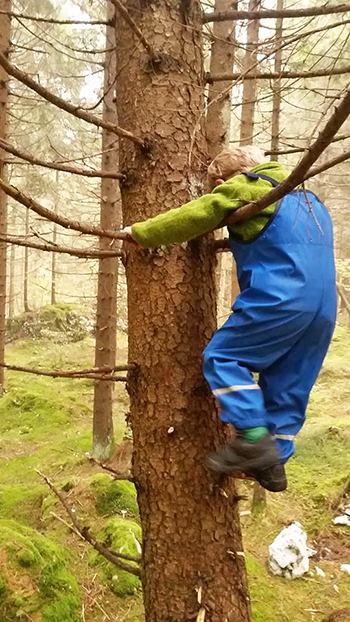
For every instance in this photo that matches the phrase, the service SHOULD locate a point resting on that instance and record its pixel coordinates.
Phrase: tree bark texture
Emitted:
(12, 271)
(5, 27)
(192, 560)
(276, 99)
(26, 268)
(249, 86)
(105, 349)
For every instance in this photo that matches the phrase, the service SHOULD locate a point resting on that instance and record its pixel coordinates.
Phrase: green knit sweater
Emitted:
(206, 213)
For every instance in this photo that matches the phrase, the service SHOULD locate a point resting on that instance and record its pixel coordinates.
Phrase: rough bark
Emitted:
(12, 271)
(190, 527)
(26, 267)
(5, 26)
(110, 218)
(249, 86)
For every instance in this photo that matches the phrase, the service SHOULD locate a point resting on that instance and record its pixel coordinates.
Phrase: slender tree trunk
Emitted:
(276, 100)
(103, 439)
(5, 27)
(53, 267)
(26, 267)
(12, 270)
(249, 86)
(193, 566)
(218, 131)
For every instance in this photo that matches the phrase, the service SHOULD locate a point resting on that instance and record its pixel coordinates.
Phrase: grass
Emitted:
(46, 424)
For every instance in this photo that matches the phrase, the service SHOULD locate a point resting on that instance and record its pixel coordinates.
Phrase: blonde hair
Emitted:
(230, 162)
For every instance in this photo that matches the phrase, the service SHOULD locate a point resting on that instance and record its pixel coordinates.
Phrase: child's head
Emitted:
(231, 162)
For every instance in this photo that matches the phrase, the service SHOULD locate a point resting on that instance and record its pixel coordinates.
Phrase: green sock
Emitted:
(252, 435)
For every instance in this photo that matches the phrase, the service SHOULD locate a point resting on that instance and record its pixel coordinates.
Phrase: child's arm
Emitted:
(196, 217)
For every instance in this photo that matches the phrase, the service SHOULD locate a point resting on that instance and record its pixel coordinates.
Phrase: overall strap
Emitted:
(261, 176)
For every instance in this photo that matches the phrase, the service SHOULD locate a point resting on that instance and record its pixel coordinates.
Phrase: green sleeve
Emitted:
(188, 221)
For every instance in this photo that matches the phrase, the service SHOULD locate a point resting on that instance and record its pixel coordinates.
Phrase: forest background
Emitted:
(78, 53)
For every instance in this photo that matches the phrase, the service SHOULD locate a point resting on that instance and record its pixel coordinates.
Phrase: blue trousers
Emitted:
(286, 349)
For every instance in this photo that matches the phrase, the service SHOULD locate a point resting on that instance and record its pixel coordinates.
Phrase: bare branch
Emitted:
(273, 75)
(48, 20)
(116, 474)
(298, 174)
(316, 170)
(129, 20)
(56, 166)
(63, 221)
(91, 375)
(111, 556)
(54, 248)
(272, 13)
(301, 149)
(23, 77)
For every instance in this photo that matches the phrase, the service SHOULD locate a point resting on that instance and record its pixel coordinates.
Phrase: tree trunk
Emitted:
(12, 270)
(218, 134)
(54, 255)
(249, 86)
(26, 267)
(276, 100)
(103, 439)
(5, 27)
(193, 566)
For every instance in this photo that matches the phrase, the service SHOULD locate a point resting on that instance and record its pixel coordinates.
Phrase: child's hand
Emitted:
(126, 234)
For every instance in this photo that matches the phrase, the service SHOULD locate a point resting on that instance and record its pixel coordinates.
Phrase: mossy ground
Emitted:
(45, 424)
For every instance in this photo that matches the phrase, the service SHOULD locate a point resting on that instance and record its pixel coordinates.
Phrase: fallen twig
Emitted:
(116, 474)
(93, 374)
(112, 557)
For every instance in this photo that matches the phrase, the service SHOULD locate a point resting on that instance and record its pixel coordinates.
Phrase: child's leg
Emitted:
(287, 383)
(247, 343)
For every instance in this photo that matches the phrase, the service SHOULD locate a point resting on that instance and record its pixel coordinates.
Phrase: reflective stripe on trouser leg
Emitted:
(240, 397)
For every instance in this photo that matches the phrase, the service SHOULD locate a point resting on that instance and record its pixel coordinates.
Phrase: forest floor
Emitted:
(45, 424)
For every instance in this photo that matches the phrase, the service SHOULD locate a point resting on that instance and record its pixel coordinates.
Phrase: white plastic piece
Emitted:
(342, 520)
(319, 572)
(345, 568)
(288, 553)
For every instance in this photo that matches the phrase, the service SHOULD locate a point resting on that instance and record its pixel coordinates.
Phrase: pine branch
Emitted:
(76, 111)
(129, 20)
(299, 173)
(54, 248)
(63, 221)
(49, 20)
(56, 166)
(91, 375)
(111, 556)
(272, 13)
(273, 75)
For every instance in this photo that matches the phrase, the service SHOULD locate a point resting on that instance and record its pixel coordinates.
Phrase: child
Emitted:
(282, 320)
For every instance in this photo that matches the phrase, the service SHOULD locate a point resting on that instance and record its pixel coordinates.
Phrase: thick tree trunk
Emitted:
(5, 26)
(103, 439)
(276, 100)
(193, 566)
(249, 86)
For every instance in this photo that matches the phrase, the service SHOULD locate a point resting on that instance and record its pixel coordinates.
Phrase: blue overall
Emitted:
(282, 321)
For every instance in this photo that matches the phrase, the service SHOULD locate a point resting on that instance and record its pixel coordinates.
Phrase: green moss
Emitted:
(34, 561)
(123, 536)
(24, 500)
(113, 496)
(3, 588)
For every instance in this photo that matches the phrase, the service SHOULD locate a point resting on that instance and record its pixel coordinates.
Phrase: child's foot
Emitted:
(259, 460)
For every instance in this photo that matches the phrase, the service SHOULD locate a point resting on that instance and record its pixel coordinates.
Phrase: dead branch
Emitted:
(23, 77)
(301, 149)
(63, 221)
(316, 170)
(111, 556)
(116, 474)
(48, 20)
(222, 16)
(101, 374)
(56, 166)
(54, 248)
(129, 20)
(274, 75)
(299, 173)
